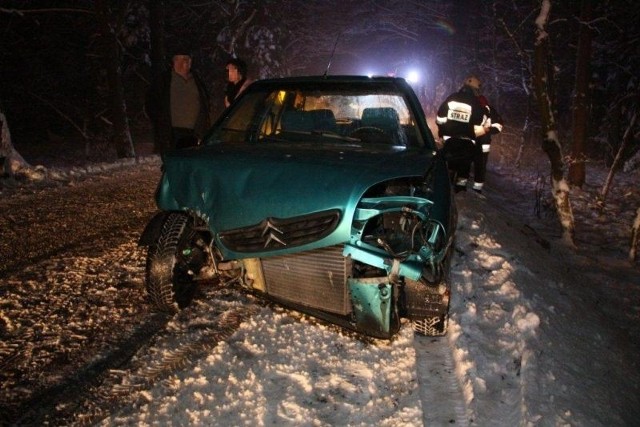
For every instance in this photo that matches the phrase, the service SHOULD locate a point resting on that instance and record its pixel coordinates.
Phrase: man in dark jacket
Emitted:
(179, 107)
(461, 120)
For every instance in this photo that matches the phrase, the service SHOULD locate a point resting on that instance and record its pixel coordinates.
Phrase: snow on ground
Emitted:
(529, 343)
(276, 370)
(538, 336)
(532, 334)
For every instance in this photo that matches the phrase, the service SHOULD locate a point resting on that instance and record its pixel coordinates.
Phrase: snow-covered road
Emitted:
(536, 334)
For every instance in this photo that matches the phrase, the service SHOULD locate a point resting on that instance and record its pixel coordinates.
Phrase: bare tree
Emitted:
(581, 96)
(62, 58)
(635, 237)
(108, 21)
(542, 78)
(617, 162)
(159, 60)
(11, 162)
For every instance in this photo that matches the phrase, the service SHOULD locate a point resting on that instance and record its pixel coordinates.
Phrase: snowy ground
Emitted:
(539, 335)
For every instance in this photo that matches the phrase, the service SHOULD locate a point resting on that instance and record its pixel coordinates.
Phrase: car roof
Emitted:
(354, 79)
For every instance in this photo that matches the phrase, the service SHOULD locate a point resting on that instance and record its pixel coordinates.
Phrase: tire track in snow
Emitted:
(443, 401)
(68, 394)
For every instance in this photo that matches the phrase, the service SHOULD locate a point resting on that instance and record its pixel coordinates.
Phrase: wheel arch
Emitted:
(154, 227)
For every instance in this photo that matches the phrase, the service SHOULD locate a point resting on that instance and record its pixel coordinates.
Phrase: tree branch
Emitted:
(63, 115)
(26, 11)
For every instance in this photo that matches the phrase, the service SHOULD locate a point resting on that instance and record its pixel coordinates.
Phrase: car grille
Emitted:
(316, 279)
(275, 233)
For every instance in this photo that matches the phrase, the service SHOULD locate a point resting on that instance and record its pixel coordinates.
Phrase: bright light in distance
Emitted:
(413, 76)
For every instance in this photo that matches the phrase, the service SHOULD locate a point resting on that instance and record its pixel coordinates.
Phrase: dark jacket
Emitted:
(159, 110)
(458, 115)
(232, 90)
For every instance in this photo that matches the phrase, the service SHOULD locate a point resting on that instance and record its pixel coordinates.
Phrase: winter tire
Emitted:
(172, 263)
(435, 326)
(428, 310)
(428, 306)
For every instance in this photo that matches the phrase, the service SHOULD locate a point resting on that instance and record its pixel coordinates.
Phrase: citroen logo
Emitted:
(273, 234)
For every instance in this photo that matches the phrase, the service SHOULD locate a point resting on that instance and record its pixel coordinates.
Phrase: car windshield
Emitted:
(347, 115)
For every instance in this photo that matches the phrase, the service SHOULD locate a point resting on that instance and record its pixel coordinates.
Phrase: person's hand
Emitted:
(480, 130)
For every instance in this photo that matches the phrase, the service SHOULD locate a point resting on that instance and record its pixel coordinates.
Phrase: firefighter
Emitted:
(483, 144)
(461, 120)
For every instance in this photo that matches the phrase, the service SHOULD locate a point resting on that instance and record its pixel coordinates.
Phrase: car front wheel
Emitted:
(173, 262)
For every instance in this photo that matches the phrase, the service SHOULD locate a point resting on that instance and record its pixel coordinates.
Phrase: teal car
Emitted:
(324, 194)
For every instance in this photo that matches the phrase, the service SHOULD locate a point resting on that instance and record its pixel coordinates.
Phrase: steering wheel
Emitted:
(368, 132)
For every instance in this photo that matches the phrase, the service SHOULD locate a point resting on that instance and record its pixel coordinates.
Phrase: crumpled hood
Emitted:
(235, 186)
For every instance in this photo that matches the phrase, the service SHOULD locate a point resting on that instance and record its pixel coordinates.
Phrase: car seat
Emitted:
(385, 118)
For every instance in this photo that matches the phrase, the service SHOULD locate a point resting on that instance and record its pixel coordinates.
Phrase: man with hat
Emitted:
(461, 120)
(180, 106)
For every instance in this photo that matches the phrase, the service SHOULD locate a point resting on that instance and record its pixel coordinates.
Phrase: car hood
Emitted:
(234, 186)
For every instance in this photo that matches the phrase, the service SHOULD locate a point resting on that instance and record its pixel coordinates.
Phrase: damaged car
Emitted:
(324, 194)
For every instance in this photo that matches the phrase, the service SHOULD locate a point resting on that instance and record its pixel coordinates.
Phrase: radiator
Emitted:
(316, 279)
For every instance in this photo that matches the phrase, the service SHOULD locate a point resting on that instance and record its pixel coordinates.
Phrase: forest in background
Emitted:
(61, 65)
(562, 73)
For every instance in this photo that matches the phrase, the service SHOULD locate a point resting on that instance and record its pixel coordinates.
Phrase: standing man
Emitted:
(461, 120)
(236, 78)
(483, 144)
(180, 107)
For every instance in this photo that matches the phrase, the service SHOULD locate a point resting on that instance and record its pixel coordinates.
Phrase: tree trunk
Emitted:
(158, 65)
(581, 97)
(239, 32)
(542, 80)
(10, 160)
(635, 234)
(616, 162)
(110, 52)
